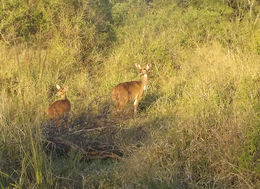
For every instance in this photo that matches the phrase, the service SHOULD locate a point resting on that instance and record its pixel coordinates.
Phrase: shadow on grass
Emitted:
(95, 142)
(97, 133)
(147, 101)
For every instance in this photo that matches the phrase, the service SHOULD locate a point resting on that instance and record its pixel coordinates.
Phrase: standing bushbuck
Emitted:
(130, 91)
(60, 108)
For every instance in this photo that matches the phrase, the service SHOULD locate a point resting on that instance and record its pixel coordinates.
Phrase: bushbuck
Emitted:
(60, 108)
(130, 91)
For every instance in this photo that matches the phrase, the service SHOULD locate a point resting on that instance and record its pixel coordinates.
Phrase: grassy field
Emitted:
(198, 123)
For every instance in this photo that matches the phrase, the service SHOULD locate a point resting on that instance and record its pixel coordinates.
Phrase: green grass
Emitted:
(198, 124)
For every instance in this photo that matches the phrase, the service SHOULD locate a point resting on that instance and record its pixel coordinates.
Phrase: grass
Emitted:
(198, 122)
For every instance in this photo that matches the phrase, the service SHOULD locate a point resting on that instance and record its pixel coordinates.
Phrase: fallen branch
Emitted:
(90, 152)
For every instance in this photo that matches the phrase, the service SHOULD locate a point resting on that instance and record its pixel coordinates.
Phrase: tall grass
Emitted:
(198, 119)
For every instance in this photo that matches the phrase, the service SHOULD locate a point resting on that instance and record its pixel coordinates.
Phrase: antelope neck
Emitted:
(144, 80)
(64, 97)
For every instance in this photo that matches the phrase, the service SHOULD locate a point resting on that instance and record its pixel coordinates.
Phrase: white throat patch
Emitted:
(144, 87)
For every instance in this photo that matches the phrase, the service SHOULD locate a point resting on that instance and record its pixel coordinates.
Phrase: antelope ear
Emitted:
(58, 87)
(148, 66)
(138, 66)
(66, 88)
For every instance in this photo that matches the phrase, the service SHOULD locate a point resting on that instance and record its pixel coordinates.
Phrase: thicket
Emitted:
(198, 123)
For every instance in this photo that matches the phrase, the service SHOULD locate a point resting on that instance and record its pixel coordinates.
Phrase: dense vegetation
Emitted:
(200, 113)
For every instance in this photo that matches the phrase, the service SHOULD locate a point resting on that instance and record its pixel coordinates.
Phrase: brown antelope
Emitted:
(59, 109)
(130, 91)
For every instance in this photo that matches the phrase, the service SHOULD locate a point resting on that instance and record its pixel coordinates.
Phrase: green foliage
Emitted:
(250, 158)
(23, 20)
